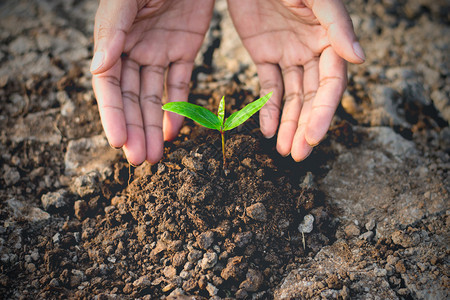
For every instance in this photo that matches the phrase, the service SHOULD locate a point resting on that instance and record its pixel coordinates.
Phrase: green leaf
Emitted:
(221, 110)
(242, 115)
(197, 113)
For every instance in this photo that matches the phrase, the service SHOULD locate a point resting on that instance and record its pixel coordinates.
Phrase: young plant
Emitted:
(209, 120)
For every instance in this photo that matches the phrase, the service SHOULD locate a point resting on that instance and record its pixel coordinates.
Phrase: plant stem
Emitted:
(222, 133)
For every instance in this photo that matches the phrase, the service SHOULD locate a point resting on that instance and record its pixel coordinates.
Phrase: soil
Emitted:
(364, 217)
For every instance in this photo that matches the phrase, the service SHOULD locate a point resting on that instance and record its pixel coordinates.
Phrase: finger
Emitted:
(107, 91)
(112, 21)
(152, 84)
(300, 147)
(334, 17)
(134, 148)
(271, 81)
(293, 95)
(333, 80)
(178, 78)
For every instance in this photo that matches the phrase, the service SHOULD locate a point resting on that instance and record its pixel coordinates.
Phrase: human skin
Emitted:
(144, 49)
(300, 50)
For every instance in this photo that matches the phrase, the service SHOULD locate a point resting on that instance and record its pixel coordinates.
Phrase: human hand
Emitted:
(140, 47)
(299, 48)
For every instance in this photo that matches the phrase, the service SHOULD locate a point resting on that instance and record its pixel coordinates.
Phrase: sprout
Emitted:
(209, 120)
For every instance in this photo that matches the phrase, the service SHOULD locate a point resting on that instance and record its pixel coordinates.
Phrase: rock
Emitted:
(402, 239)
(87, 184)
(56, 238)
(234, 268)
(30, 267)
(442, 103)
(142, 282)
(212, 290)
(370, 225)
(194, 255)
(179, 259)
(368, 235)
(352, 230)
(205, 240)
(54, 282)
(55, 201)
(189, 284)
(308, 283)
(241, 294)
(308, 181)
(253, 282)
(170, 272)
(384, 102)
(80, 208)
(89, 154)
(192, 163)
(27, 212)
(209, 260)
(307, 225)
(257, 212)
(392, 142)
(10, 175)
(21, 45)
(39, 126)
(243, 238)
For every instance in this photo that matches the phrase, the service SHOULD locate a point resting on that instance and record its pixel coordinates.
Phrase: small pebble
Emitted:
(209, 260)
(257, 212)
(212, 290)
(205, 240)
(307, 225)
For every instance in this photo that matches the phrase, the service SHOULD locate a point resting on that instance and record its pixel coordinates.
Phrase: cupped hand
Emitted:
(143, 49)
(300, 49)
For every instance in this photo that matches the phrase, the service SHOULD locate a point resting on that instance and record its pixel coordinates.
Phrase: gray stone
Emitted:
(142, 282)
(27, 212)
(370, 225)
(243, 238)
(21, 45)
(209, 260)
(257, 212)
(87, 184)
(368, 235)
(441, 101)
(205, 240)
(55, 200)
(253, 281)
(38, 126)
(303, 282)
(212, 290)
(307, 224)
(11, 175)
(89, 154)
(308, 181)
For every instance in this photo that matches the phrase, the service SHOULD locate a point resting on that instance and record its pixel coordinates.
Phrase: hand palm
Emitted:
(293, 57)
(163, 38)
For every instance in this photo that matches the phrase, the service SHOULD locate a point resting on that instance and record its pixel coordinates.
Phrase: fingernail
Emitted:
(306, 155)
(133, 165)
(97, 60)
(359, 51)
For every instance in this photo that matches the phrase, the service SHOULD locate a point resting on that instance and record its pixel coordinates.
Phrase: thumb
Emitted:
(112, 21)
(333, 16)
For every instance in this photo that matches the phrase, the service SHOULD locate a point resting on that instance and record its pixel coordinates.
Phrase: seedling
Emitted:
(209, 120)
